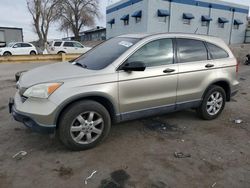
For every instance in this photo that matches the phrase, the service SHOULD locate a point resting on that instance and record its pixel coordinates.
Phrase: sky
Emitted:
(14, 13)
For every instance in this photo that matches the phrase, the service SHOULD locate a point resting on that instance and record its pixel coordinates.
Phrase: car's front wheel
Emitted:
(213, 103)
(6, 53)
(84, 124)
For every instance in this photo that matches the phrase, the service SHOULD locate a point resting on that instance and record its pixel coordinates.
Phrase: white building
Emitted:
(211, 17)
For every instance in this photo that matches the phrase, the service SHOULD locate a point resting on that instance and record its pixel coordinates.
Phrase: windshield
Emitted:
(10, 44)
(105, 54)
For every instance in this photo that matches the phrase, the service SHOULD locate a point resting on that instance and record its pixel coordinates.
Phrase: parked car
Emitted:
(18, 48)
(125, 78)
(71, 47)
(247, 62)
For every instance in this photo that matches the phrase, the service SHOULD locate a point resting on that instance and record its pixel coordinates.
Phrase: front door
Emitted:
(153, 90)
(18, 50)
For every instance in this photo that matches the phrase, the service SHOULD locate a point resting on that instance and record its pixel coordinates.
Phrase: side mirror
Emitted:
(134, 66)
(15, 46)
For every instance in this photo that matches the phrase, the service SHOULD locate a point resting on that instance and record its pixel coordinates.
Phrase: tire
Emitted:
(32, 53)
(77, 116)
(211, 108)
(7, 54)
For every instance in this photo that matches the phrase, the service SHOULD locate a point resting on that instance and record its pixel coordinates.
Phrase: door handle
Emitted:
(168, 70)
(209, 66)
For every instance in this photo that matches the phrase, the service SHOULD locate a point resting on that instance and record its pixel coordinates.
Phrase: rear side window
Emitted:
(57, 43)
(190, 50)
(216, 52)
(25, 45)
(68, 44)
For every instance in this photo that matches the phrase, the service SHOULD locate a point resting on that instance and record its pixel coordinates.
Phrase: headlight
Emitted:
(42, 90)
(0, 50)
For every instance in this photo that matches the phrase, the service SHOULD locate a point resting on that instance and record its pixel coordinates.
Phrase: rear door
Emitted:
(68, 47)
(195, 71)
(154, 89)
(26, 48)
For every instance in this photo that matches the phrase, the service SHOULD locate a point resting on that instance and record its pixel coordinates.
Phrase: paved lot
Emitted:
(137, 153)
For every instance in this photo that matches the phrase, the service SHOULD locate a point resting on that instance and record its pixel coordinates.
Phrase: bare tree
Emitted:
(43, 13)
(75, 14)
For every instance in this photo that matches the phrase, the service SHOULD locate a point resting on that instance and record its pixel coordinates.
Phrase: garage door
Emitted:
(2, 38)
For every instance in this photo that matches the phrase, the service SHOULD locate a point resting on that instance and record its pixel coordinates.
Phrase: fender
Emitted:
(107, 102)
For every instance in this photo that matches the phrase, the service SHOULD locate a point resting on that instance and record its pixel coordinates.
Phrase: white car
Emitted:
(70, 47)
(18, 48)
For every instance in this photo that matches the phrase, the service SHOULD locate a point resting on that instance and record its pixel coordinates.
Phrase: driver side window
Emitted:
(17, 45)
(155, 53)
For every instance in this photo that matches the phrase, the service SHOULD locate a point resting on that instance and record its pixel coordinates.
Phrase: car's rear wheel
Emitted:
(32, 53)
(61, 52)
(83, 125)
(213, 103)
(6, 53)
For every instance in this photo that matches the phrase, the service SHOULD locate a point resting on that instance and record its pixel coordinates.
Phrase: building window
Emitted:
(236, 26)
(204, 23)
(205, 20)
(187, 17)
(221, 25)
(137, 15)
(162, 19)
(125, 19)
(111, 22)
(138, 19)
(163, 14)
(237, 23)
(187, 21)
(126, 22)
(222, 21)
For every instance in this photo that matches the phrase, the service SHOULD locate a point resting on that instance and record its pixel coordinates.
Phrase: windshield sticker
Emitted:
(126, 44)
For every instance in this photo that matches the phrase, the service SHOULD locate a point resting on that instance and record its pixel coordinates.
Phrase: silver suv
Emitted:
(125, 78)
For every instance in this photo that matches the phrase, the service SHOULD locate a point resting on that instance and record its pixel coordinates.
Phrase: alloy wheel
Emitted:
(214, 103)
(87, 127)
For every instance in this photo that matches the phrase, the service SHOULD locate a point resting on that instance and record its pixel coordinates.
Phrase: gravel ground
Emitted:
(137, 153)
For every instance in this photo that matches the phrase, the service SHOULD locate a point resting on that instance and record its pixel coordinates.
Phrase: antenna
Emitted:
(196, 30)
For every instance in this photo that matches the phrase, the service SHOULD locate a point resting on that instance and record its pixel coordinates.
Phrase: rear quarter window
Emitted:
(216, 52)
(57, 43)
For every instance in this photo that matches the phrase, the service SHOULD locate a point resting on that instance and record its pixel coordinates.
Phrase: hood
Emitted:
(53, 73)
(5, 48)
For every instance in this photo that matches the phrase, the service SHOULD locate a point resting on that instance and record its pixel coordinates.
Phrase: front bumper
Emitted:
(29, 121)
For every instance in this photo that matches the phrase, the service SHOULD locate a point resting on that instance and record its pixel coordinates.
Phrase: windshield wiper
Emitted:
(80, 65)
